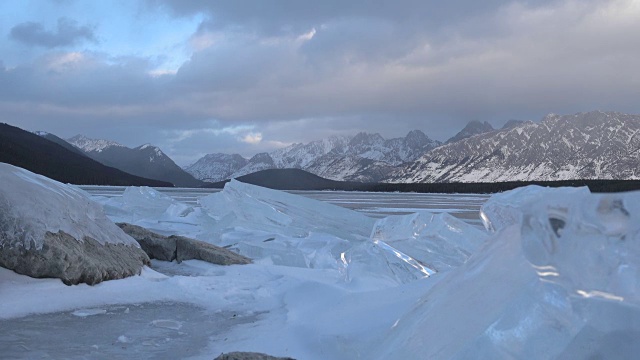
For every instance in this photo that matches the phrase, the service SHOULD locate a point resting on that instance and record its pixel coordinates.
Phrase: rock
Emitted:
(181, 248)
(155, 245)
(249, 356)
(190, 249)
(73, 261)
(49, 229)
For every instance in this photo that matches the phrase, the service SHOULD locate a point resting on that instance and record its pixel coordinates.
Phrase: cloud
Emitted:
(251, 138)
(67, 33)
(336, 69)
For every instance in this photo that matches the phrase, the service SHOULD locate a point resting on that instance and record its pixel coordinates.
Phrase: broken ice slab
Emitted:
(147, 207)
(254, 207)
(438, 241)
(286, 229)
(504, 209)
(380, 261)
(587, 243)
(561, 282)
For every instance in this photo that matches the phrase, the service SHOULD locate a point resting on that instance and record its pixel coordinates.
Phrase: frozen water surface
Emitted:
(556, 275)
(142, 331)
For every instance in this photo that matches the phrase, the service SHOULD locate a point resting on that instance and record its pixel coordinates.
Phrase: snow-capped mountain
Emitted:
(146, 160)
(593, 145)
(48, 155)
(220, 166)
(473, 128)
(364, 157)
(91, 145)
(258, 162)
(60, 142)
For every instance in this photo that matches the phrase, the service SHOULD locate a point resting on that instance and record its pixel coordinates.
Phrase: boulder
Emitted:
(72, 261)
(180, 248)
(249, 356)
(49, 229)
(155, 245)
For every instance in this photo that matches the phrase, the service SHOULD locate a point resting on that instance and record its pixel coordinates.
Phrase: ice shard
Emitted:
(559, 280)
(504, 209)
(254, 207)
(438, 241)
(147, 207)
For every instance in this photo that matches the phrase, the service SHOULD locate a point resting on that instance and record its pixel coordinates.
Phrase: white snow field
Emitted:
(556, 275)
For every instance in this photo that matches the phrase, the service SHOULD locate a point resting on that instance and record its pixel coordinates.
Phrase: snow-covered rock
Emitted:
(48, 229)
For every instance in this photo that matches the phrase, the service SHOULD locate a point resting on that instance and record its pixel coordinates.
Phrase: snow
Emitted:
(66, 208)
(555, 277)
(90, 145)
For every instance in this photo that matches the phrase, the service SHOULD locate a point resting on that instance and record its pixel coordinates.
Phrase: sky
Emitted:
(198, 77)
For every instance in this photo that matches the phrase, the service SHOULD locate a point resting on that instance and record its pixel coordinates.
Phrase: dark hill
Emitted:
(39, 155)
(288, 179)
(296, 179)
(63, 143)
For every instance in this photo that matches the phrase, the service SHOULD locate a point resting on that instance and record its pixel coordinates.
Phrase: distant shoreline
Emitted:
(293, 182)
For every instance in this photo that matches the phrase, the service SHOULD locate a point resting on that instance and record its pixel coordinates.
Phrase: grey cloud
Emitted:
(281, 16)
(68, 32)
(367, 73)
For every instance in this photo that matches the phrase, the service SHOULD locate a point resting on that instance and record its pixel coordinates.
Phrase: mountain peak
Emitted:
(416, 138)
(474, 127)
(512, 123)
(91, 145)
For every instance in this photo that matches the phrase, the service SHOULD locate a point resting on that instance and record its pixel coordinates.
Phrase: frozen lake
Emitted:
(200, 310)
(327, 282)
(374, 204)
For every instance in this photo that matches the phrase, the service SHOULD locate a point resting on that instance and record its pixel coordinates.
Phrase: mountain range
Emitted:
(43, 154)
(591, 145)
(146, 160)
(364, 157)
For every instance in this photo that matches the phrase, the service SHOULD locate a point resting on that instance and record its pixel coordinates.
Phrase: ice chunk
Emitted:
(284, 229)
(379, 260)
(562, 281)
(254, 207)
(504, 209)
(32, 205)
(438, 241)
(493, 306)
(588, 244)
(147, 207)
